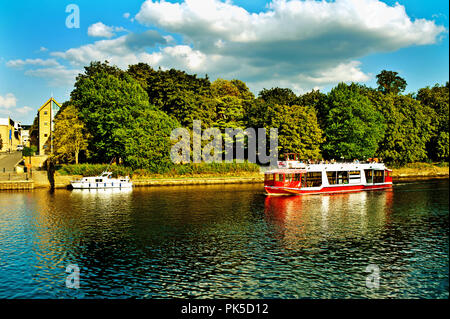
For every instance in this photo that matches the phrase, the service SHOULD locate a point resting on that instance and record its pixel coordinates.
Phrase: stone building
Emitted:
(46, 114)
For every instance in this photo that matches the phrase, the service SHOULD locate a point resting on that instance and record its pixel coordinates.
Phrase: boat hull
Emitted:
(282, 190)
(80, 185)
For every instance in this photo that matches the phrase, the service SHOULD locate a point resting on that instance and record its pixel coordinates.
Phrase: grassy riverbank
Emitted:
(197, 174)
(191, 170)
(420, 170)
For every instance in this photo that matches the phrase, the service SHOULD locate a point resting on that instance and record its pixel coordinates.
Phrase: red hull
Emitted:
(281, 190)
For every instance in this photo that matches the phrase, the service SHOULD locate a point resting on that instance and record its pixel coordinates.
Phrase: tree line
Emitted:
(129, 114)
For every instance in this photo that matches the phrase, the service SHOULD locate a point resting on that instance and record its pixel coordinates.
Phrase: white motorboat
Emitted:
(104, 180)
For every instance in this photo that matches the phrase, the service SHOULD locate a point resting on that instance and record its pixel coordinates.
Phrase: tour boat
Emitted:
(293, 177)
(104, 180)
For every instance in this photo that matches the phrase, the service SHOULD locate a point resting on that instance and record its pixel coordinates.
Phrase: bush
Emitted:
(93, 169)
(174, 170)
(29, 151)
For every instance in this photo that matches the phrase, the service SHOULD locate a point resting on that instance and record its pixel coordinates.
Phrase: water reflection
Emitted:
(224, 241)
(300, 220)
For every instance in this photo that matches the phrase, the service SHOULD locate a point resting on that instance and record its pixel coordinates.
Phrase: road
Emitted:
(9, 160)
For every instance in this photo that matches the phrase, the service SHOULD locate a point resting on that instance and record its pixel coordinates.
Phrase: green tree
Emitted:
(353, 126)
(182, 96)
(70, 136)
(408, 127)
(281, 96)
(390, 82)
(107, 102)
(34, 132)
(229, 105)
(317, 100)
(298, 129)
(437, 98)
(146, 141)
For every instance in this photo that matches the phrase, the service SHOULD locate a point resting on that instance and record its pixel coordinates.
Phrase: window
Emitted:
(45, 123)
(369, 176)
(355, 177)
(45, 112)
(98, 180)
(332, 178)
(313, 179)
(297, 178)
(289, 177)
(342, 177)
(378, 176)
(268, 177)
(45, 135)
(280, 177)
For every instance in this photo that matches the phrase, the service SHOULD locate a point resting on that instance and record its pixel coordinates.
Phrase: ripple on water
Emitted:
(225, 242)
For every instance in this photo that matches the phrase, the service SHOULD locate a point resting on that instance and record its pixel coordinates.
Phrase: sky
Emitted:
(297, 44)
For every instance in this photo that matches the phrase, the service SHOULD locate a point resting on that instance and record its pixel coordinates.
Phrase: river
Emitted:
(226, 241)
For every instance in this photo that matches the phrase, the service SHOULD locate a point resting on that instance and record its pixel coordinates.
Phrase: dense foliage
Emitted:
(353, 126)
(130, 115)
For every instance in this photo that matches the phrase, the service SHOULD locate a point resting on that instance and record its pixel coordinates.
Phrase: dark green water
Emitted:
(225, 242)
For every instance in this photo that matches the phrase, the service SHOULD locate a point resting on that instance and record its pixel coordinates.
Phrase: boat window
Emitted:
(313, 179)
(303, 180)
(332, 178)
(355, 177)
(297, 178)
(369, 176)
(268, 177)
(280, 177)
(378, 176)
(342, 177)
(289, 177)
(98, 180)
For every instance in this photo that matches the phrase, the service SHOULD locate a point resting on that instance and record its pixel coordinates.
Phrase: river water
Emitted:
(226, 241)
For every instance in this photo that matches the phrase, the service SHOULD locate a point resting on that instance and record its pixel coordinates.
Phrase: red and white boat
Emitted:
(293, 177)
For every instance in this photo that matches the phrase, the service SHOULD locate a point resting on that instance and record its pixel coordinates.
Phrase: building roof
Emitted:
(50, 99)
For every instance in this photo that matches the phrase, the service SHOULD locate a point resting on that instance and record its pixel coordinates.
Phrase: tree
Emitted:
(317, 100)
(141, 72)
(298, 129)
(278, 96)
(229, 105)
(437, 98)
(146, 141)
(34, 132)
(408, 127)
(70, 136)
(390, 82)
(353, 126)
(107, 101)
(182, 96)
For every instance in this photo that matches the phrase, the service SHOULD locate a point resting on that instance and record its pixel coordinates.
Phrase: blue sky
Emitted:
(296, 44)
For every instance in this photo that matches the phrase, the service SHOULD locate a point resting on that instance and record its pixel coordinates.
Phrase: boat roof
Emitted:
(329, 167)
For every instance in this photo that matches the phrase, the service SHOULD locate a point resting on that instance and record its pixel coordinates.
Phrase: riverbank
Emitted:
(63, 181)
(418, 171)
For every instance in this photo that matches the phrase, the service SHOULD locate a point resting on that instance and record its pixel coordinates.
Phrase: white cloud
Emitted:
(8, 100)
(122, 51)
(21, 63)
(299, 43)
(24, 110)
(103, 31)
(126, 15)
(43, 49)
(56, 76)
(296, 44)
